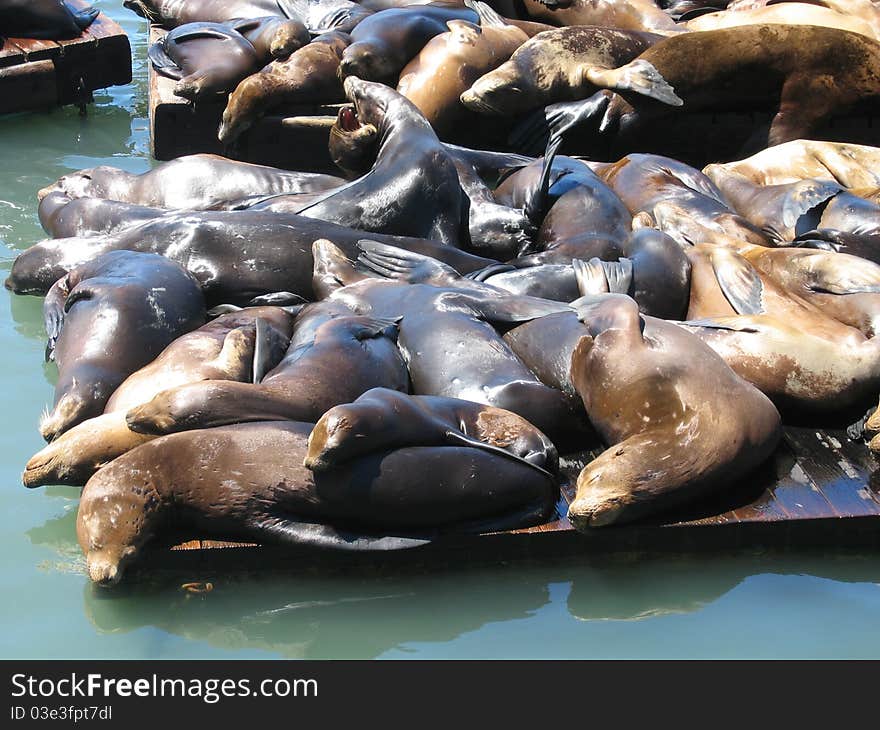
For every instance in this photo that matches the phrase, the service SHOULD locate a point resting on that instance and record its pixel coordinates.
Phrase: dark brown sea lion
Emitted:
(383, 43)
(235, 256)
(446, 339)
(43, 19)
(641, 15)
(191, 182)
(679, 422)
(550, 67)
(803, 74)
(235, 346)
(273, 37)
(347, 357)
(451, 62)
(390, 198)
(308, 76)
(248, 482)
(107, 318)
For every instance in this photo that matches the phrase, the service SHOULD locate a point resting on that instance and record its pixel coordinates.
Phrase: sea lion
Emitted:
(172, 13)
(44, 19)
(206, 59)
(273, 37)
(383, 43)
(63, 217)
(347, 357)
(788, 13)
(427, 205)
(550, 67)
(802, 74)
(445, 335)
(309, 75)
(235, 256)
(864, 246)
(639, 15)
(678, 421)
(107, 318)
(850, 165)
(248, 482)
(451, 62)
(234, 346)
(191, 182)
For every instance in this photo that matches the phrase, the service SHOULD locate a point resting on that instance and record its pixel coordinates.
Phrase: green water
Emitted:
(747, 605)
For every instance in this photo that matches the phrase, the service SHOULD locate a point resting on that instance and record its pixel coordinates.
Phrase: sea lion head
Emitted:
(91, 183)
(366, 60)
(502, 91)
(289, 36)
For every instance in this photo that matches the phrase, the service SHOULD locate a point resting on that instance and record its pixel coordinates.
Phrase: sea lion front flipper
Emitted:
(236, 354)
(489, 271)
(489, 18)
(459, 439)
(638, 76)
(286, 530)
(537, 205)
(162, 62)
(200, 32)
(804, 197)
(269, 347)
(83, 17)
(532, 134)
(402, 265)
(276, 299)
(738, 281)
(499, 306)
(53, 314)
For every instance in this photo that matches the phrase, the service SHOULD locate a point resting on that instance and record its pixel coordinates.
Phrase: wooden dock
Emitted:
(819, 491)
(295, 139)
(36, 74)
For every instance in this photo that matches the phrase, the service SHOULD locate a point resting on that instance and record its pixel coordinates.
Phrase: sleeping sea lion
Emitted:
(641, 15)
(43, 19)
(107, 318)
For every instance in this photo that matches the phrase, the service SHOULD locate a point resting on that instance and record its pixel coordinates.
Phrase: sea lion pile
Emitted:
(373, 360)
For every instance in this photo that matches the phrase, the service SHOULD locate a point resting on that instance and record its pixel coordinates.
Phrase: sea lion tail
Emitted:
(488, 17)
(638, 76)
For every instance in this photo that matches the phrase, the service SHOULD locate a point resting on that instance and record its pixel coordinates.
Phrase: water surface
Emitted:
(745, 605)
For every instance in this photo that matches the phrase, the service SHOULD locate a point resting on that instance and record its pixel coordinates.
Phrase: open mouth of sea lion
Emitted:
(348, 119)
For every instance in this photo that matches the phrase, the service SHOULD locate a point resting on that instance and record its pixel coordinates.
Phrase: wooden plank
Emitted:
(10, 54)
(37, 50)
(794, 491)
(842, 488)
(28, 86)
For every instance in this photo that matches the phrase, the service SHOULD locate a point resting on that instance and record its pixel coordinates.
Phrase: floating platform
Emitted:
(819, 490)
(295, 139)
(37, 74)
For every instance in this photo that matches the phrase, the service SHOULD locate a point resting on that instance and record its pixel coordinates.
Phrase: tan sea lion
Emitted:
(235, 346)
(450, 62)
(678, 421)
(641, 15)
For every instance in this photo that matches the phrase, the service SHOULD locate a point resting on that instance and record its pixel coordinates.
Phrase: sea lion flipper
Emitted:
(264, 353)
(162, 62)
(533, 133)
(463, 31)
(733, 324)
(619, 275)
(489, 18)
(804, 197)
(638, 76)
(284, 529)
(489, 271)
(371, 327)
(537, 205)
(84, 17)
(199, 33)
(276, 299)
(738, 281)
(608, 311)
(397, 263)
(590, 277)
(460, 439)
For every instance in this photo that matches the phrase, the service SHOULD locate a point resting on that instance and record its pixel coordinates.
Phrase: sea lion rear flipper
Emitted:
(532, 134)
(313, 534)
(499, 306)
(804, 197)
(489, 271)
(590, 277)
(638, 76)
(162, 62)
(608, 311)
(738, 280)
(460, 439)
(83, 17)
(537, 205)
(488, 17)
(402, 265)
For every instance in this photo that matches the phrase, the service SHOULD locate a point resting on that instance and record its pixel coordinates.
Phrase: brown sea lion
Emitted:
(850, 165)
(866, 246)
(172, 13)
(273, 37)
(550, 68)
(678, 421)
(43, 19)
(107, 318)
(347, 357)
(191, 182)
(235, 256)
(451, 62)
(641, 15)
(803, 74)
(383, 43)
(235, 346)
(308, 76)
(248, 482)
(63, 217)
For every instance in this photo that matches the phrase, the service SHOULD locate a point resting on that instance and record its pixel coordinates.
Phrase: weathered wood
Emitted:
(98, 58)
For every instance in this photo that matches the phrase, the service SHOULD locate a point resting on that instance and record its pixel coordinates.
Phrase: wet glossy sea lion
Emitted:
(427, 205)
(191, 182)
(273, 37)
(43, 19)
(63, 217)
(172, 13)
(383, 43)
(206, 59)
(235, 256)
(451, 62)
(550, 68)
(107, 318)
(678, 421)
(628, 14)
(866, 246)
(235, 346)
(803, 74)
(346, 357)
(308, 76)
(248, 482)
(446, 339)
(850, 165)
